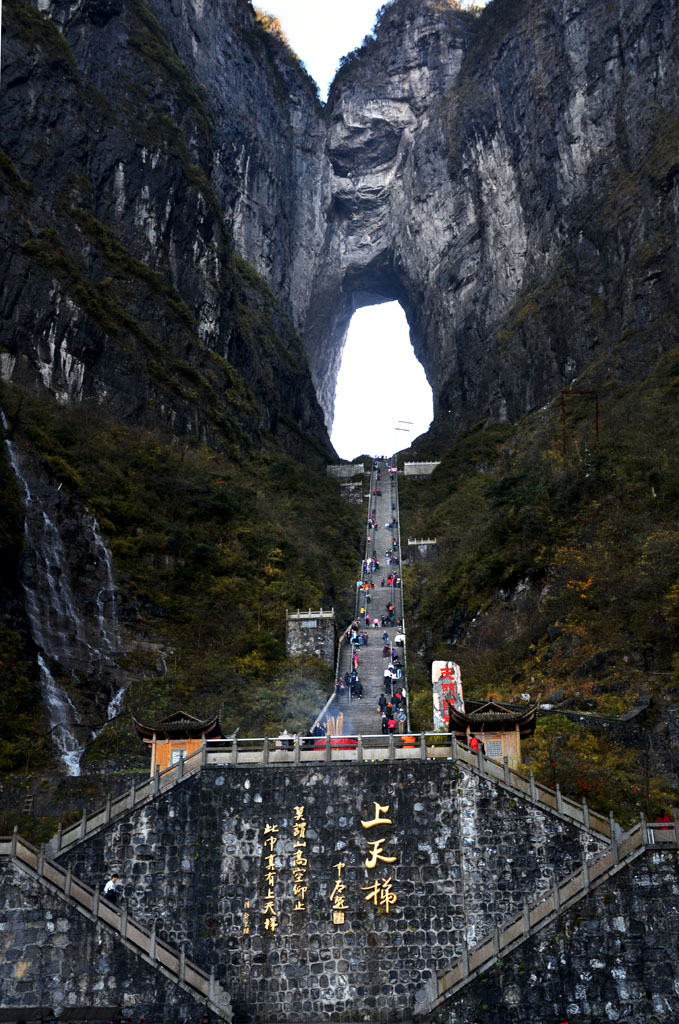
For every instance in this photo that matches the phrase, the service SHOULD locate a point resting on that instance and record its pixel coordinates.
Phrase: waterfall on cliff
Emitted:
(70, 600)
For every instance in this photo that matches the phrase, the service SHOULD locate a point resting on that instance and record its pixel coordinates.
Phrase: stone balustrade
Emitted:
(538, 915)
(308, 752)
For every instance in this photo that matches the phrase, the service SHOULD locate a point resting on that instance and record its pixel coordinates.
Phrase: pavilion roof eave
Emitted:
(181, 726)
(494, 716)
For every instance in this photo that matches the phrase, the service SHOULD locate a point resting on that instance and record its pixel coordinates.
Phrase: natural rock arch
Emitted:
(474, 176)
(378, 107)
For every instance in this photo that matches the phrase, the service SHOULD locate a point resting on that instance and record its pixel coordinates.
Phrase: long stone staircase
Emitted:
(617, 849)
(361, 717)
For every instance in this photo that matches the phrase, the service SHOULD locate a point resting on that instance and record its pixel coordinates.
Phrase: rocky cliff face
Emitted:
(512, 180)
(122, 186)
(187, 231)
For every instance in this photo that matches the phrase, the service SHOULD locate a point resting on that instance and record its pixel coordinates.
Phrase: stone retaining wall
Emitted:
(195, 861)
(52, 955)
(613, 957)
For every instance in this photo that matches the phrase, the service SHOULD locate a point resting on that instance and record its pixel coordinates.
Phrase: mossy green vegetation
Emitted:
(118, 256)
(39, 33)
(14, 181)
(149, 40)
(560, 571)
(24, 737)
(209, 551)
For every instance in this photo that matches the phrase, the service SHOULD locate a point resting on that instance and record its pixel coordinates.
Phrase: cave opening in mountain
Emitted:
(383, 400)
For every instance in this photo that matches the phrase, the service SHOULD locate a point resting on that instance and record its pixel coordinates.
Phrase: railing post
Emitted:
(496, 940)
(465, 960)
(359, 750)
(505, 770)
(611, 824)
(180, 767)
(211, 985)
(152, 942)
(559, 799)
(298, 749)
(265, 751)
(203, 752)
(83, 824)
(156, 781)
(182, 962)
(453, 746)
(328, 749)
(234, 752)
(556, 895)
(479, 762)
(133, 793)
(41, 859)
(123, 922)
(614, 842)
(59, 836)
(392, 752)
(525, 915)
(585, 812)
(423, 747)
(585, 872)
(67, 881)
(95, 904)
(15, 839)
(107, 809)
(533, 787)
(646, 840)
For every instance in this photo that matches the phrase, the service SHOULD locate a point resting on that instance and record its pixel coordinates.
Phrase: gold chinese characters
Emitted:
(379, 892)
(337, 899)
(299, 860)
(269, 915)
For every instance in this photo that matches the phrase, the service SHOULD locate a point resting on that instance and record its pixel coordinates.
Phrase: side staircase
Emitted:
(536, 916)
(170, 962)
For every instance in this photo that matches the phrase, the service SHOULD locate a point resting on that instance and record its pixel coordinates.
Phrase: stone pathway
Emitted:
(362, 716)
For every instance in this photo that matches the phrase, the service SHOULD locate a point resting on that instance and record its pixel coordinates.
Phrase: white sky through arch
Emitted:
(379, 384)
(322, 31)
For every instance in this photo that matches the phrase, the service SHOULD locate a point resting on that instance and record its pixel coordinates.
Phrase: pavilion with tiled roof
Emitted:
(179, 735)
(501, 727)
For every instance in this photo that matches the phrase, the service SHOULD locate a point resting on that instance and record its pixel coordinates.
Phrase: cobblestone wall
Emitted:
(196, 860)
(53, 956)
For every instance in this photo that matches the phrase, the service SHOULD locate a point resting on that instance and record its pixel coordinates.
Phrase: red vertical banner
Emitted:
(446, 687)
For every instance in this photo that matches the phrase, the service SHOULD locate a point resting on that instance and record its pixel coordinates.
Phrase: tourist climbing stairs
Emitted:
(373, 599)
